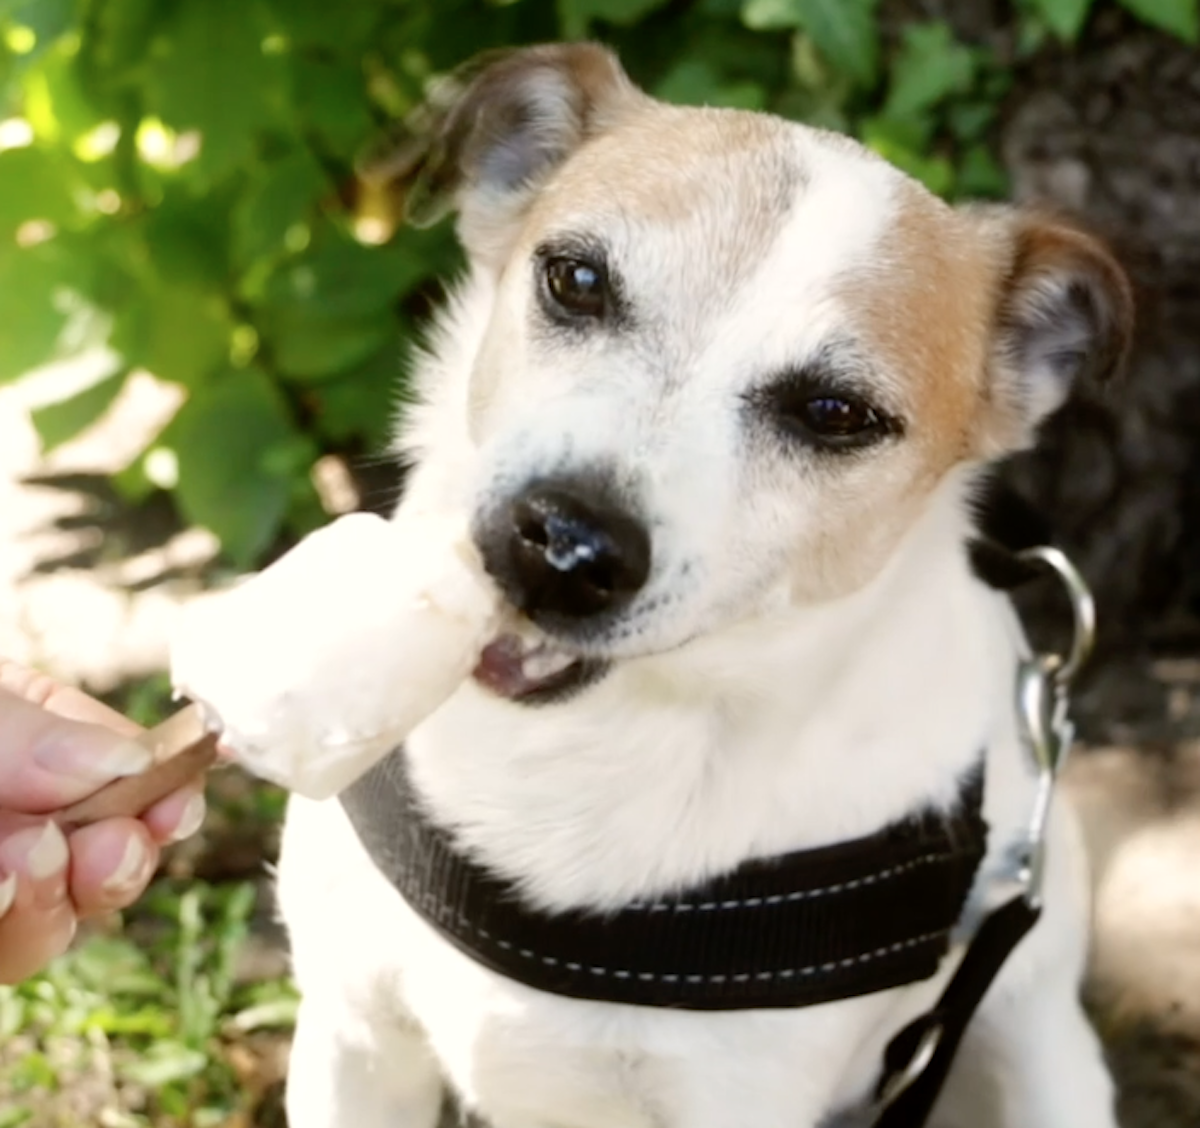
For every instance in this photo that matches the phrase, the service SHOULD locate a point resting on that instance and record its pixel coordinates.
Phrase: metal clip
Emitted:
(1043, 682)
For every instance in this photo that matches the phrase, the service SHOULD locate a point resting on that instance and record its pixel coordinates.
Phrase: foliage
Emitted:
(159, 1019)
(177, 184)
(1066, 18)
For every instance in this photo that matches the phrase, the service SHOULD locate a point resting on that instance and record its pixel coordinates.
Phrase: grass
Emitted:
(175, 1014)
(146, 1023)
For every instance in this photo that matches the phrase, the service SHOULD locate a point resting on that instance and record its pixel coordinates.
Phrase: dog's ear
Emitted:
(1064, 314)
(490, 136)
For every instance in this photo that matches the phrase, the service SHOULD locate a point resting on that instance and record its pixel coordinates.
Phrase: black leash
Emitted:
(918, 1059)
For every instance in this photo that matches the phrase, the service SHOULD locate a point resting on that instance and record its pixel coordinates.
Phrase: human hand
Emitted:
(58, 745)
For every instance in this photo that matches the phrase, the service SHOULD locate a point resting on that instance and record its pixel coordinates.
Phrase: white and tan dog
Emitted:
(716, 393)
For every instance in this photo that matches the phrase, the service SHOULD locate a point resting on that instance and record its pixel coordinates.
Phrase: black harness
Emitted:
(804, 928)
(792, 931)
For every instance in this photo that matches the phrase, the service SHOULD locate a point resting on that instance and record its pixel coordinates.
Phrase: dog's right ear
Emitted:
(490, 136)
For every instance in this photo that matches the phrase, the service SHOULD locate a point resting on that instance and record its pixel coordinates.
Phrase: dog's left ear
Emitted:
(1064, 314)
(491, 135)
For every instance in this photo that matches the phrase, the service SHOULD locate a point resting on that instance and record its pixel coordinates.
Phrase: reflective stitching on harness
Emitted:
(449, 916)
(787, 898)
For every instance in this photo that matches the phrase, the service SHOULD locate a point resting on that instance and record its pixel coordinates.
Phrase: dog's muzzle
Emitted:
(570, 557)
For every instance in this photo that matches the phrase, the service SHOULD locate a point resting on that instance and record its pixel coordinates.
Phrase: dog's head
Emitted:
(730, 359)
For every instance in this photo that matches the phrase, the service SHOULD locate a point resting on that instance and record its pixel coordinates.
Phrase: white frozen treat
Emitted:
(315, 668)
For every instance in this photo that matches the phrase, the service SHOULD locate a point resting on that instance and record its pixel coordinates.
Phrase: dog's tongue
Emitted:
(513, 667)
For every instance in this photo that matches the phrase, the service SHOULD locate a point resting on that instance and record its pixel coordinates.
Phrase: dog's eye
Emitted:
(828, 419)
(837, 417)
(577, 287)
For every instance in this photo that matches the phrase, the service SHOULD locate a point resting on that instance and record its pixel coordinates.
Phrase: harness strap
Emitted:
(794, 930)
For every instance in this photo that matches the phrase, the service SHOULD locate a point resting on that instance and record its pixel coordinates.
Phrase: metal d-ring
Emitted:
(1083, 612)
(917, 1064)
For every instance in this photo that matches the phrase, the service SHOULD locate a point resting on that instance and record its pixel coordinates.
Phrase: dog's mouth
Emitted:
(531, 668)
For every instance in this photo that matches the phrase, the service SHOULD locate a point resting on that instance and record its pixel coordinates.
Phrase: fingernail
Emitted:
(191, 818)
(8, 893)
(131, 869)
(41, 853)
(77, 756)
(44, 849)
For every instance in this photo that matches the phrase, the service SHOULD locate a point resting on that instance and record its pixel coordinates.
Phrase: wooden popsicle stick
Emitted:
(183, 748)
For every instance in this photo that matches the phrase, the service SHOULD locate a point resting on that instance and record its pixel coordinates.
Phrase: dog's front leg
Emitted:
(359, 1060)
(346, 1073)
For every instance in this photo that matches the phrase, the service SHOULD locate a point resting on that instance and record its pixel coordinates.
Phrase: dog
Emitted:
(717, 394)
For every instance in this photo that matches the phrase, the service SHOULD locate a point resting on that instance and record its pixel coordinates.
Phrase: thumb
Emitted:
(48, 761)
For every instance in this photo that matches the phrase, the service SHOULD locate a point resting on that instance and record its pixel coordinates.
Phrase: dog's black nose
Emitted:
(575, 557)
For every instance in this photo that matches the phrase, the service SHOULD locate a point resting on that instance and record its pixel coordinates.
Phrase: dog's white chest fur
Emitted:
(715, 396)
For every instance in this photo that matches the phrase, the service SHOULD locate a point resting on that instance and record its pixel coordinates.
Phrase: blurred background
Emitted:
(204, 315)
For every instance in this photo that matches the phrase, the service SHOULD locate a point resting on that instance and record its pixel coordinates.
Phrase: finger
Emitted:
(62, 700)
(48, 761)
(178, 816)
(111, 864)
(39, 922)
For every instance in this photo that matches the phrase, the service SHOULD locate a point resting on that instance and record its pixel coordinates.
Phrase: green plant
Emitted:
(1066, 18)
(177, 185)
(156, 1016)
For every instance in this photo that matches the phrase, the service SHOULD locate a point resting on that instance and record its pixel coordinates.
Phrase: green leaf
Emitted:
(577, 16)
(770, 15)
(55, 102)
(930, 67)
(120, 35)
(211, 74)
(48, 19)
(980, 176)
(223, 440)
(969, 121)
(694, 83)
(308, 345)
(1064, 17)
(35, 306)
(844, 31)
(275, 1014)
(314, 23)
(33, 185)
(164, 1063)
(337, 277)
(148, 1021)
(363, 406)
(175, 333)
(330, 99)
(33, 1071)
(57, 422)
(282, 196)
(184, 239)
(1179, 17)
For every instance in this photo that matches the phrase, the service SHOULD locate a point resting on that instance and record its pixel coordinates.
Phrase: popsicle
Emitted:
(314, 669)
(311, 671)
